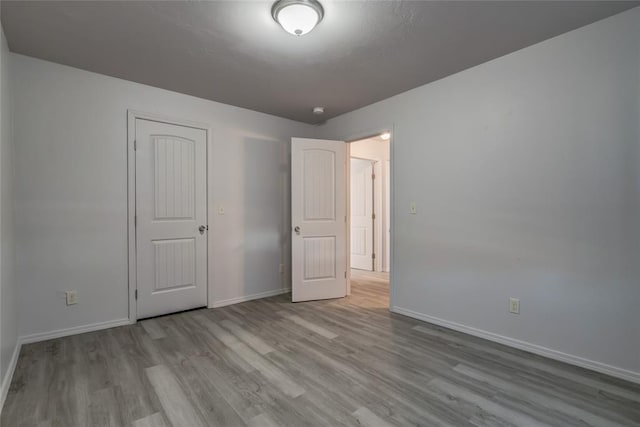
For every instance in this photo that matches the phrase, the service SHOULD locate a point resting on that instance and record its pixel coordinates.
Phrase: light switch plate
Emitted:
(72, 297)
(413, 208)
(514, 305)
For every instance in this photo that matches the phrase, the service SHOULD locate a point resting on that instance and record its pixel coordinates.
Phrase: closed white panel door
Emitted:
(318, 215)
(362, 214)
(171, 218)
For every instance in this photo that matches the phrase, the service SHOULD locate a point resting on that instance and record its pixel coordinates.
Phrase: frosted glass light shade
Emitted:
(297, 17)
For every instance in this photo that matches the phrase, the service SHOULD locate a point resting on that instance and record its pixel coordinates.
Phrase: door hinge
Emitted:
(345, 274)
(135, 220)
(373, 216)
(373, 176)
(136, 294)
(373, 255)
(135, 145)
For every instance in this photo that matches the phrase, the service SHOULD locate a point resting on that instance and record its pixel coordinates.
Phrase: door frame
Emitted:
(132, 116)
(357, 136)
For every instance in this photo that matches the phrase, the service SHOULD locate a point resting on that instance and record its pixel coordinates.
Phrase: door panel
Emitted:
(318, 209)
(361, 214)
(171, 205)
(319, 185)
(175, 264)
(174, 177)
(319, 257)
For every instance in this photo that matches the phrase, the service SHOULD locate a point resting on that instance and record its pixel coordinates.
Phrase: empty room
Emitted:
(319, 212)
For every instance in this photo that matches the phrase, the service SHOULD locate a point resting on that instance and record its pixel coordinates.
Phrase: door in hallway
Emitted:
(362, 214)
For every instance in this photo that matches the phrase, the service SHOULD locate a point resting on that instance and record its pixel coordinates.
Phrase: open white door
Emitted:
(361, 214)
(171, 218)
(318, 215)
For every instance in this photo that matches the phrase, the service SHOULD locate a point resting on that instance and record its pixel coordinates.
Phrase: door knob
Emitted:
(202, 228)
(297, 229)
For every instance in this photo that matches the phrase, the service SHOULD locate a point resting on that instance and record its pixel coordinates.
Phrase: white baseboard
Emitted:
(523, 345)
(245, 298)
(8, 376)
(43, 336)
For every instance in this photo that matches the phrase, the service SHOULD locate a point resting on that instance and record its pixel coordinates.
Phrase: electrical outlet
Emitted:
(514, 305)
(413, 209)
(281, 268)
(72, 297)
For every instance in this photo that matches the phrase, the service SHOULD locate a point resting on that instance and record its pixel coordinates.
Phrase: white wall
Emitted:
(525, 171)
(8, 313)
(71, 193)
(375, 149)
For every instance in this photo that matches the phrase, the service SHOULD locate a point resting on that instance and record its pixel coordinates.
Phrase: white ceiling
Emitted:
(233, 52)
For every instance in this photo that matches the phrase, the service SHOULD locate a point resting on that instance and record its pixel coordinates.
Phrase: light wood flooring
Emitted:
(270, 362)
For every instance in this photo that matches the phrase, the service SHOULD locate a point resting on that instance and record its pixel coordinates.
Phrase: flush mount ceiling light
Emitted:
(297, 17)
(385, 135)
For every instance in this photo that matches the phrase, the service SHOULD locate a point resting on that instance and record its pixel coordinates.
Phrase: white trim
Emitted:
(131, 212)
(236, 300)
(347, 184)
(8, 376)
(166, 119)
(526, 346)
(132, 116)
(392, 214)
(59, 333)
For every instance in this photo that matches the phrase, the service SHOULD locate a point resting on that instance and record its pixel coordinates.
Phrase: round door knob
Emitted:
(297, 229)
(202, 228)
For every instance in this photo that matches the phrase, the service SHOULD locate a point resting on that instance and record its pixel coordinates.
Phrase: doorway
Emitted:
(370, 220)
(370, 199)
(321, 236)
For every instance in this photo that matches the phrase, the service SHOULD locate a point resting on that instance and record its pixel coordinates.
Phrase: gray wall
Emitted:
(8, 312)
(525, 171)
(71, 193)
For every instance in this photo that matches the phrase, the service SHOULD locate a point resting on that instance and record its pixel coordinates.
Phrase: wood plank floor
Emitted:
(270, 362)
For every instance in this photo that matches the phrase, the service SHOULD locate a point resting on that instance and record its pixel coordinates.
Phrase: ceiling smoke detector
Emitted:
(318, 110)
(297, 17)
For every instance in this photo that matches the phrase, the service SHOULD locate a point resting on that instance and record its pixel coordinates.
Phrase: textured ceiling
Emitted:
(233, 52)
